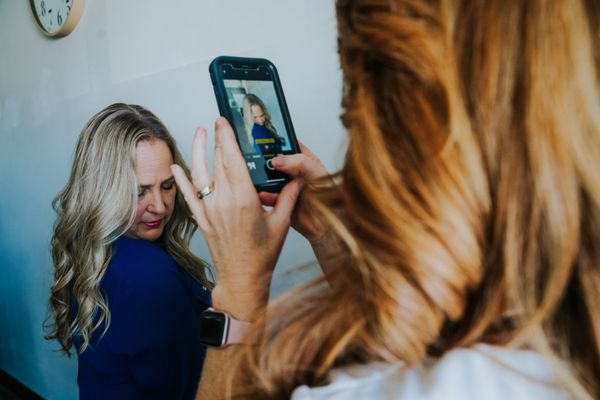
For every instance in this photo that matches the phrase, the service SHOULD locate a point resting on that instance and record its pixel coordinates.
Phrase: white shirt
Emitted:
(481, 372)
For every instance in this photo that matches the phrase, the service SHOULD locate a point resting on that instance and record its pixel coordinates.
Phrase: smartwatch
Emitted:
(219, 329)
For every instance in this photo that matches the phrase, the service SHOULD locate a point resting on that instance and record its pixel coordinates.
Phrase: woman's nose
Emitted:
(157, 204)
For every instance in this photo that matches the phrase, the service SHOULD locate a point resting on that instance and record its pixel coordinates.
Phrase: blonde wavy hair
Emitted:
(468, 207)
(253, 100)
(96, 206)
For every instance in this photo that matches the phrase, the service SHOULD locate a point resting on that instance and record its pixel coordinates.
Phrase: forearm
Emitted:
(221, 362)
(217, 365)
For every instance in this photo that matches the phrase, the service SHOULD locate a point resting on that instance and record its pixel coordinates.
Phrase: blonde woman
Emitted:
(461, 238)
(127, 290)
(259, 128)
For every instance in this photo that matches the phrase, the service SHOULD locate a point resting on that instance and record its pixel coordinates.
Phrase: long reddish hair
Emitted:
(468, 207)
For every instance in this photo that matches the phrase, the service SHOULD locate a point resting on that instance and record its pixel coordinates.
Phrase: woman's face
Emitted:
(258, 115)
(156, 191)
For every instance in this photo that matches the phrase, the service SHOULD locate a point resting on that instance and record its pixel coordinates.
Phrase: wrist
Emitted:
(219, 329)
(321, 239)
(243, 305)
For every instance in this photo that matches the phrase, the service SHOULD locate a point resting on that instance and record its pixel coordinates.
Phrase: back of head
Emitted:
(468, 208)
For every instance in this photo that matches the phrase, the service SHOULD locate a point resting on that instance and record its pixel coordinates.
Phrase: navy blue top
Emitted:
(151, 348)
(266, 142)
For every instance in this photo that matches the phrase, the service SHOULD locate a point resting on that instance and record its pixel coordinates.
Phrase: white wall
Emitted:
(144, 53)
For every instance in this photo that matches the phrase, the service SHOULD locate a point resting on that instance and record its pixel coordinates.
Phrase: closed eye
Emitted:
(168, 185)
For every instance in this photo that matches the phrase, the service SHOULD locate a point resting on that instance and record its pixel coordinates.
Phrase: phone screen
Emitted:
(260, 119)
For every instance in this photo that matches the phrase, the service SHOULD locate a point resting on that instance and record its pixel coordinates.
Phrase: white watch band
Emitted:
(236, 330)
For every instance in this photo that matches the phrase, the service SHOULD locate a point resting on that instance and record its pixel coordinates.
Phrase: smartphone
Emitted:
(250, 96)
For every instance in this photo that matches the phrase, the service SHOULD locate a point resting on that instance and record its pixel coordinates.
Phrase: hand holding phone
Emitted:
(250, 96)
(232, 220)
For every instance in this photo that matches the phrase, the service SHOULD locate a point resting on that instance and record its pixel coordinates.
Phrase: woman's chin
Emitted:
(149, 235)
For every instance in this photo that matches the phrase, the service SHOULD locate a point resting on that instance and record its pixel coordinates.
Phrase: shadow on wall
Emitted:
(11, 389)
(24, 290)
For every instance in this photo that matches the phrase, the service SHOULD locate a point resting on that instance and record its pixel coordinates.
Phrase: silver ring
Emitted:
(205, 191)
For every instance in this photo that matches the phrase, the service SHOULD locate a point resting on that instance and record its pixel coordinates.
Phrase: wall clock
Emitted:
(56, 18)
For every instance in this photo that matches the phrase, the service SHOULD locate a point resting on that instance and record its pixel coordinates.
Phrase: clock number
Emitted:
(55, 19)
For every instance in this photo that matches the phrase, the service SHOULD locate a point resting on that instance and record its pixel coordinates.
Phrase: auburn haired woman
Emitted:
(461, 239)
(127, 289)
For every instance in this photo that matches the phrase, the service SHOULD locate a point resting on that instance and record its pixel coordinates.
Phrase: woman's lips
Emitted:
(153, 224)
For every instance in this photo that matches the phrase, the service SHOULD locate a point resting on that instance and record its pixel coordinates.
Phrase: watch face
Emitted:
(212, 328)
(51, 14)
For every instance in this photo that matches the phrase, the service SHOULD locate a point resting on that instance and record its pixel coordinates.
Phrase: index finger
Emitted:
(200, 173)
(307, 151)
(231, 164)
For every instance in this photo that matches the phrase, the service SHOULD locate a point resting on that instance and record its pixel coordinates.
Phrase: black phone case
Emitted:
(216, 78)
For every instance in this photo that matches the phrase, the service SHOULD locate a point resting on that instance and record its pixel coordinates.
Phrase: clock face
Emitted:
(51, 14)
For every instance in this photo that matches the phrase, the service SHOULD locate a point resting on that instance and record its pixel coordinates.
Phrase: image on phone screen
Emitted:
(259, 124)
